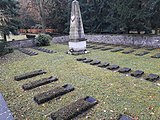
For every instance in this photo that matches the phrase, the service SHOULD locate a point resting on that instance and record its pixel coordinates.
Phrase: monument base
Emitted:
(77, 48)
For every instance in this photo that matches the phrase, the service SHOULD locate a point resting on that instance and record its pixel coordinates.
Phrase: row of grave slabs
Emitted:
(33, 53)
(117, 48)
(116, 68)
(67, 112)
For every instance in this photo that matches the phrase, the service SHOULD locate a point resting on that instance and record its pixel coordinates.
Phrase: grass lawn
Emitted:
(16, 37)
(116, 92)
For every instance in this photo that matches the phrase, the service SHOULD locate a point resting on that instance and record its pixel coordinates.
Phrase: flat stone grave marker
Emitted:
(74, 109)
(152, 77)
(29, 75)
(108, 48)
(117, 50)
(38, 83)
(91, 46)
(136, 47)
(124, 70)
(5, 113)
(51, 94)
(125, 117)
(156, 55)
(87, 61)
(142, 53)
(98, 47)
(128, 51)
(44, 50)
(113, 67)
(137, 73)
(28, 52)
(81, 59)
(125, 46)
(150, 49)
(103, 65)
(95, 62)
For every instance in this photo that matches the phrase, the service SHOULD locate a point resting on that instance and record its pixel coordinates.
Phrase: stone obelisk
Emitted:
(77, 39)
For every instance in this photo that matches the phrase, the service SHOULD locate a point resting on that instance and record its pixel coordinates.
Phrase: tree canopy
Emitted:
(8, 14)
(104, 16)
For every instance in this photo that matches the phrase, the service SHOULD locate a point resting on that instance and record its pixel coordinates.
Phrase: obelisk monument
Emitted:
(77, 41)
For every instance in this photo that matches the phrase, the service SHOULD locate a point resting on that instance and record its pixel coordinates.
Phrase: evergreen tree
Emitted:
(8, 14)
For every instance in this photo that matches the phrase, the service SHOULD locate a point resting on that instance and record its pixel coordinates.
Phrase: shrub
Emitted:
(43, 40)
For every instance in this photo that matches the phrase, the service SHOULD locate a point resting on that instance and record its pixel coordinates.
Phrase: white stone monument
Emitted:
(77, 41)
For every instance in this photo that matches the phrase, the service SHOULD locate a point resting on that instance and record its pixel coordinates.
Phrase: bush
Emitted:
(4, 48)
(43, 40)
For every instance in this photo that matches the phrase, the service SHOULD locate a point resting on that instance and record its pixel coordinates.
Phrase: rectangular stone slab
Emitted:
(127, 52)
(137, 73)
(81, 59)
(124, 70)
(143, 53)
(96, 62)
(103, 65)
(74, 109)
(152, 77)
(125, 117)
(117, 50)
(29, 75)
(136, 47)
(51, 94)
(150, 49)
(28, 52)
(156, 55)
(113, 67)
(104, 49)
(87, 60)
(44, 50)
(38, 83)
(5, 113)
(100, 47)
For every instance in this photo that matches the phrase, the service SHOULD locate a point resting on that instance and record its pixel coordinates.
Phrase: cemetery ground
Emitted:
(116, 93)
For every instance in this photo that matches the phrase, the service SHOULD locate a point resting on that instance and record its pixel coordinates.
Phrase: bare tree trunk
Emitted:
(4, 37)
(42, 16)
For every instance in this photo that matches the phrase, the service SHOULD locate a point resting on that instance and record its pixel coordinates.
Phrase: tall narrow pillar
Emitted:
(77, 43)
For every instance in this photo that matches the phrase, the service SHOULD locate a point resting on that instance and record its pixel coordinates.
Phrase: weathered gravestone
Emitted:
(128, 51)
(81, 59)
(124, 70)
(51, 94)
(137, 73)
(142, 53)
(103, 65)
(156, 55)
(95, 62)
(29, 75)
(38, 83)
(152, 77)
(5, 113)
(87, 60)
(107, 48)
(150, 49)
(74, 109)
(113, 67)
(117, 49)
(44, 50)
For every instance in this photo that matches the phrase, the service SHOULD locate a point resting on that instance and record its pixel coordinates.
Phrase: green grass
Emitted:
(115, 92)
(16, 37)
